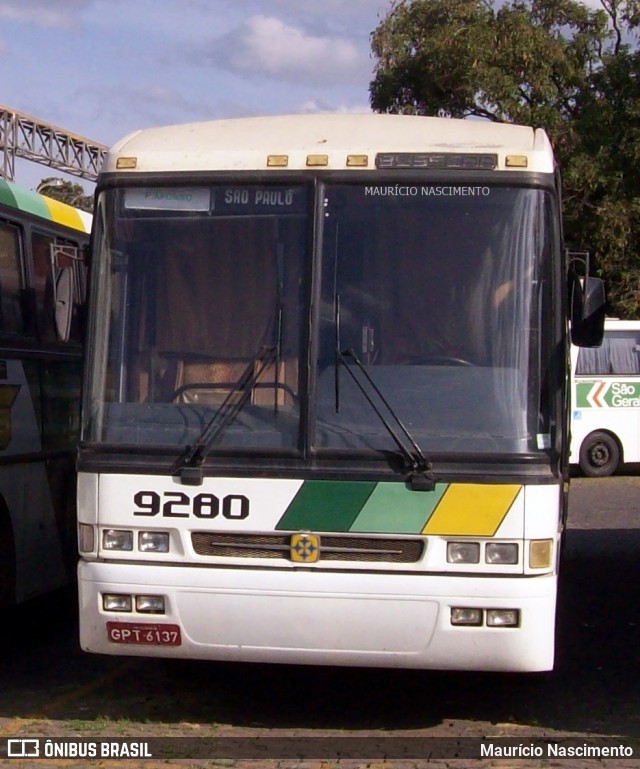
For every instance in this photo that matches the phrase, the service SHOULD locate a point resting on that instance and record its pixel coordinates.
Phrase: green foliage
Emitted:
(66, 192)
(557, 64)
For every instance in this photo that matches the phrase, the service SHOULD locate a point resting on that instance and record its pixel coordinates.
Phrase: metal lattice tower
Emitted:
(24, 136)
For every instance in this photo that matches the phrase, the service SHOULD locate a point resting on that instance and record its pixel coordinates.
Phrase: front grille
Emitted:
(332, 547)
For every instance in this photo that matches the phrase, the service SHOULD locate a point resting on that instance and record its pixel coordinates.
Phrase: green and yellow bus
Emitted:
(43, 280)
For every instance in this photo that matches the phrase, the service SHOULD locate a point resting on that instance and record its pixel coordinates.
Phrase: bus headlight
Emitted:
(153, 541)
(503, 617)
(116, 602)
(501, 552)
(466, 616)
(150, 604)
(117, 539)
(463, 552)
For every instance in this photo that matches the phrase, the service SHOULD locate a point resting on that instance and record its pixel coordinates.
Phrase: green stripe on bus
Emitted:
(23, 200)
(46, 208)
(393, 508)
(326, 506)
(31, 203)
(7, 198)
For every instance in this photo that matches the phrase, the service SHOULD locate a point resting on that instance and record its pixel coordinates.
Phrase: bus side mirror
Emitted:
(588, 305)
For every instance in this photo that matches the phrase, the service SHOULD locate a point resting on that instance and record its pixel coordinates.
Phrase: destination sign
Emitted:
(168, 198)
(233, 200)
(249, 199)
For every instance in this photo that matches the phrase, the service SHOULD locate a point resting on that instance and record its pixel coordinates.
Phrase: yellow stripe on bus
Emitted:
(64, 214)
(472, 509)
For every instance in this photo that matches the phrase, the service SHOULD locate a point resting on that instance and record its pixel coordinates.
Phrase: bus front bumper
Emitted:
(314, 617)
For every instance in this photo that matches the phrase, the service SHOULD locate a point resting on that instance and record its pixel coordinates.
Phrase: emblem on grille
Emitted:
(304, 548)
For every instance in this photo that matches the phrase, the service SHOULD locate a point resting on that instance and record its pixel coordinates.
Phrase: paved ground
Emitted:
(49, 689)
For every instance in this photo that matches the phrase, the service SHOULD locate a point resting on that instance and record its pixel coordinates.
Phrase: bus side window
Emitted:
(10, 280)
(619, 354)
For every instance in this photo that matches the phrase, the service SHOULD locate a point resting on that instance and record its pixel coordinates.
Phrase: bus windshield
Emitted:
(433, 293)
(231, 311)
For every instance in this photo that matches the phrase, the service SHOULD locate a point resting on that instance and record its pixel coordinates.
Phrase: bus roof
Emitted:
(46, 208)
(331, 142)
(615, 324)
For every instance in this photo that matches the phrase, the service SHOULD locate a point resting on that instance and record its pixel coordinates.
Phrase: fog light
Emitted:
(462, 616)
(540, 552)
(501, 553)
(153, 541)
(116, 602)
(503, 617)
(150, 604)
(463, 552)
(86, 538)
(117, 539)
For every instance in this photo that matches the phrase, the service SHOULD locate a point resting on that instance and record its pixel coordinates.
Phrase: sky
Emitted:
(104, 68)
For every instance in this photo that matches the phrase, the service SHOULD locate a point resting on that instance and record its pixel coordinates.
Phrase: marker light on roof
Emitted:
(357, 161)
(126, 162)
(277, 161)
(516, 161)
(317, 160)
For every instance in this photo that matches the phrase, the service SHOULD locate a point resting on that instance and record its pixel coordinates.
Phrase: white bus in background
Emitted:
(605, 415)
(325, 417)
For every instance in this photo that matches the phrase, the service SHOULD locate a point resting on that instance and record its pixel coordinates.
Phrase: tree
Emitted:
(66, 192)
(557, 64)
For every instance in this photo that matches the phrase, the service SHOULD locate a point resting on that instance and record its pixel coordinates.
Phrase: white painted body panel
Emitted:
(242, 144)
(329, 613)
(326, 619)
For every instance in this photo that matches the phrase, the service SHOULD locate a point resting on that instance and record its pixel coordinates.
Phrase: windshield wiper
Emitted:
(420, 471)
(189, 463)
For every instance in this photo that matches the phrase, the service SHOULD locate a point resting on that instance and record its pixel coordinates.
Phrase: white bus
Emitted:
(325, 412)
(605, 391)
(42, 294)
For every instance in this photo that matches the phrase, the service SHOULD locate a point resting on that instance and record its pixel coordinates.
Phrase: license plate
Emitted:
(145, 633)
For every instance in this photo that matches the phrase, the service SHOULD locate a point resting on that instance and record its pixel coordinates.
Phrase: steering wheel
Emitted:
(437, 360)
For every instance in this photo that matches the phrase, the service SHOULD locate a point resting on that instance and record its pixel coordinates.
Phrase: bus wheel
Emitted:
(599, 455)
(7, 566)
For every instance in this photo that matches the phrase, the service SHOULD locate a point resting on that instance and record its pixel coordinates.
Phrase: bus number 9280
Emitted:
(175, 504)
